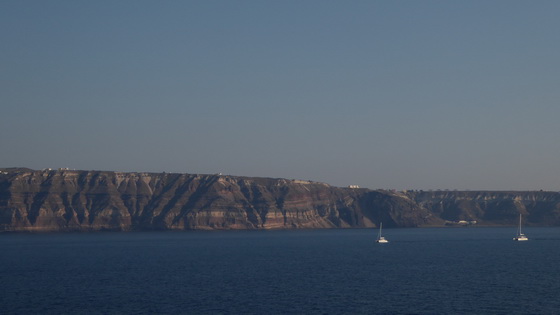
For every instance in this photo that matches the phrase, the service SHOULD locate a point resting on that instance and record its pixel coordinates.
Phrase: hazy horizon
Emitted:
(381, 94)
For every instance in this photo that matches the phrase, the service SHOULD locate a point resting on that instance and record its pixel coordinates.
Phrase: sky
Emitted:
(381, 94)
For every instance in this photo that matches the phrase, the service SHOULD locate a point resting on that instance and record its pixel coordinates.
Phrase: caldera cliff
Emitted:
(67, 200)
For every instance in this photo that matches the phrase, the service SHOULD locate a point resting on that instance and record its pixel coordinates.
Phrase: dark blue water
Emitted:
(422, 271)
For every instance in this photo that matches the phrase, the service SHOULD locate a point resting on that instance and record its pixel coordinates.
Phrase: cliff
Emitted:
(67, 200)
(540, 208)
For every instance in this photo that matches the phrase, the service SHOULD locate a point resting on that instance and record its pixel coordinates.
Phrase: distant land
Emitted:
(70, 200)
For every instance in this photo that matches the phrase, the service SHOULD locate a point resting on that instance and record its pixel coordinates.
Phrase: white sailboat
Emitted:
(381, 239)
(520, 236)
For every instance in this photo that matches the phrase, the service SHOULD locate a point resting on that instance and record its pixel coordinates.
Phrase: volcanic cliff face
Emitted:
(67, 200)
(491, 207)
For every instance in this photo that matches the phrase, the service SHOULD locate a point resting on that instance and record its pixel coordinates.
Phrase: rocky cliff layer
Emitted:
(68, 200)
(492, 207)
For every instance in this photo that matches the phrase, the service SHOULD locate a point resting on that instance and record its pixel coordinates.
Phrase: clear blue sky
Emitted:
(381, 94)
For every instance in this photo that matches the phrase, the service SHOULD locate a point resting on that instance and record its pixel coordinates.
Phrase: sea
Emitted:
(472, 270)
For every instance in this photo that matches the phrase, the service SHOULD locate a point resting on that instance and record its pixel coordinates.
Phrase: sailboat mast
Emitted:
(520, 236)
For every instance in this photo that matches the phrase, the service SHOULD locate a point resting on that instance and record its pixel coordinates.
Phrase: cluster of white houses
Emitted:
(461, 222)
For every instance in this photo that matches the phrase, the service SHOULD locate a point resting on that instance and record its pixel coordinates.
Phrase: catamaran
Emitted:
(381, 239)
(520, 236)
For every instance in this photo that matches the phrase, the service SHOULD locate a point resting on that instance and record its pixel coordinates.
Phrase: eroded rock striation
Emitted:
(67, 200)
(492, 207)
